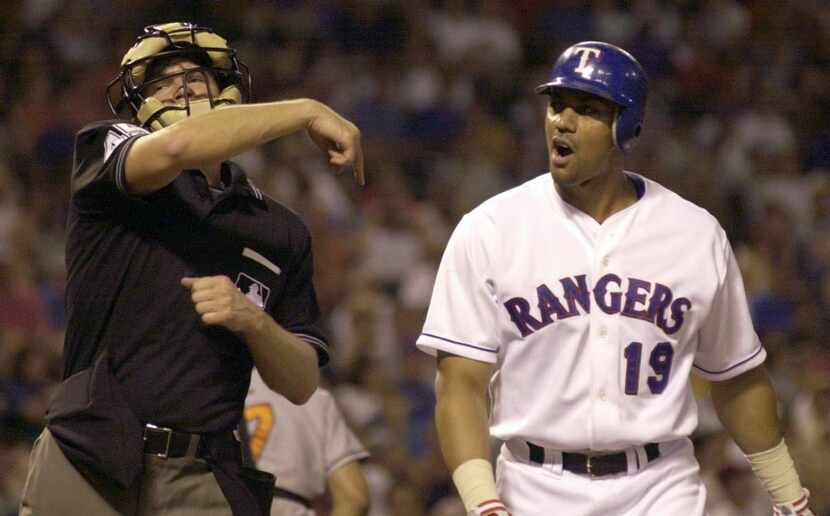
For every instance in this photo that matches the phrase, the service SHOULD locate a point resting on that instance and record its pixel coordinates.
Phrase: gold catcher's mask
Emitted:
(160, 43)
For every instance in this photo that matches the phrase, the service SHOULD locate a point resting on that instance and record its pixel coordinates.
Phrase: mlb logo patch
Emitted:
(253, 289)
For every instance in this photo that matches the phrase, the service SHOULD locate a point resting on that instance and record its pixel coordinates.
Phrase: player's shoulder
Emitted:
(322, 394)
(322, 400)
(487, 225)
(519, 195)
(257, 384)
(513, 200)
(315, 411)
(259, 392)
(676, 209)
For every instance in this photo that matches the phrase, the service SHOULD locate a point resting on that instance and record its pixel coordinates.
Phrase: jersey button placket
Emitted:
(603, 335)
(596, 330)
(606, 417)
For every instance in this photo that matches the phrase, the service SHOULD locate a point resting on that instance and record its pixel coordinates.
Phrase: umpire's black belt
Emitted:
(171, 444)
(596, 465)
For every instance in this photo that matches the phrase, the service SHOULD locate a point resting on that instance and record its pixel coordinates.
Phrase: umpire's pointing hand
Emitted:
(338, 138)
(220, 303)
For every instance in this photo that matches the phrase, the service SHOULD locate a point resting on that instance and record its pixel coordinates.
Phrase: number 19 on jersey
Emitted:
(659, 361)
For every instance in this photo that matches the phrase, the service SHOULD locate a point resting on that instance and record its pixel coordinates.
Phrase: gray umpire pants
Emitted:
(170, 487)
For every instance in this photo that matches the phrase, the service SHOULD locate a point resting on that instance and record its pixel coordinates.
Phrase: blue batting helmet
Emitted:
(609, 72)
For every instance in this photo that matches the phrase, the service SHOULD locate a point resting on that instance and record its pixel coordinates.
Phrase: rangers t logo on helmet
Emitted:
(586, 52)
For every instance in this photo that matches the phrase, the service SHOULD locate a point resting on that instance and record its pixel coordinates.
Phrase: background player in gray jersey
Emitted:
(309, 448)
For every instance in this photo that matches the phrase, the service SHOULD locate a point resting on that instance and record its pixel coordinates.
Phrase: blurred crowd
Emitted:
(738, 121)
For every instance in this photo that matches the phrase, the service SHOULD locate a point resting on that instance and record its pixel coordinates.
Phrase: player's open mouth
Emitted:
(561, 151)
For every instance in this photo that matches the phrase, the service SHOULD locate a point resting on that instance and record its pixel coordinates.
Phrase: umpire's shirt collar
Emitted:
(193, 188)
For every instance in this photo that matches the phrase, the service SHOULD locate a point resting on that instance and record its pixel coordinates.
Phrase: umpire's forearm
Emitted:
(223, 133)
(156, 159)
(747, 407)
(286, 363)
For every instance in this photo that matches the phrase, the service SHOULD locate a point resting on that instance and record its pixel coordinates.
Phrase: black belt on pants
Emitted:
(168, 443)
(594, 465)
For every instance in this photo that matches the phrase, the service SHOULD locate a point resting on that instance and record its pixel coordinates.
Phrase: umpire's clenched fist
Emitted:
(220, 303)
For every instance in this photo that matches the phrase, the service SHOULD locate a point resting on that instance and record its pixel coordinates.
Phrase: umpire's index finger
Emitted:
(359, 175)
(202, 281)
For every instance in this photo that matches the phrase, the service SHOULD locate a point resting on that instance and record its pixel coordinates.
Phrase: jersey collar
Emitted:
(237, 183)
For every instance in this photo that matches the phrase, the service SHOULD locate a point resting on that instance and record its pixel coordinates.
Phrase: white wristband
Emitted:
(775, 469)
(475, 482)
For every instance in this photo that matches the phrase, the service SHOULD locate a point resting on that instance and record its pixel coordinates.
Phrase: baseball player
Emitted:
(182, 276)
(583, 299)
(308, 448)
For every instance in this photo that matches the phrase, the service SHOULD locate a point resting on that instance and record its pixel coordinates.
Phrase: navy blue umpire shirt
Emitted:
(125, 258)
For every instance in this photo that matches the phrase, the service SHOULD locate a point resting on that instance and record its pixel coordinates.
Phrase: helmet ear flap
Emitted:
(628, 125)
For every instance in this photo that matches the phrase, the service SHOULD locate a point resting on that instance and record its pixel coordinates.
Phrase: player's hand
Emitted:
(800, 507)
(220, 303)
(489, 508)
(339, 139)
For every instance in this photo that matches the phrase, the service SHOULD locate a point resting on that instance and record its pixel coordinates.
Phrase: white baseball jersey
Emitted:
(594, 328)
(300, 444)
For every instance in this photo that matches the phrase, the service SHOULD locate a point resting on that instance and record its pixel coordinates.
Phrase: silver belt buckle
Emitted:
(168, 431)
(588, 466)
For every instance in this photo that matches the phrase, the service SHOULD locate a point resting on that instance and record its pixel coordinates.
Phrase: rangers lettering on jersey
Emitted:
(631, 297)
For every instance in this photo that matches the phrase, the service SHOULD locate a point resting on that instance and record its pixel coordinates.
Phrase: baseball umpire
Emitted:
(583, 299)
(181, 276)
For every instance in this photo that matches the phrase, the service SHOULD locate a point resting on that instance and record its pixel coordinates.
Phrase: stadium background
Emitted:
(738, 121)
